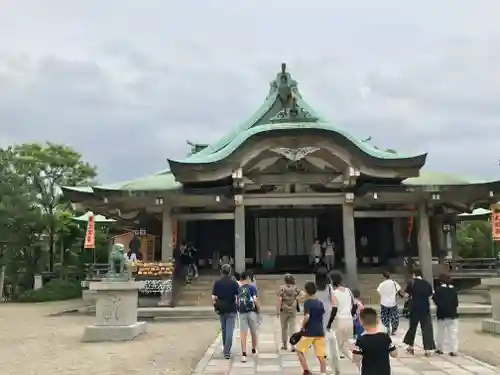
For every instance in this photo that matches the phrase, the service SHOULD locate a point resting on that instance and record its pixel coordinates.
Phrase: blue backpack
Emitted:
(245, 299)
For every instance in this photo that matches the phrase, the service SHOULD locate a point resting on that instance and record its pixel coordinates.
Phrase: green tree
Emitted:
(20, 218)
(47, 167)
(474, 239)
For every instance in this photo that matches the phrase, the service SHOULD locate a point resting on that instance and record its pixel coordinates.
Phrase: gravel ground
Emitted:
(475, 343)
(34, 343)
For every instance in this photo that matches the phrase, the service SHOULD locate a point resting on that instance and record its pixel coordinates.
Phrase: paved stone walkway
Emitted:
(273, 361)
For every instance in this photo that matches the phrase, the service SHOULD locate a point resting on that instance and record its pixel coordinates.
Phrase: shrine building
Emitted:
(284, 177)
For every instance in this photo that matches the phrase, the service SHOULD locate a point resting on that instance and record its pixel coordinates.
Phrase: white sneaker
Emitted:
(243, 358)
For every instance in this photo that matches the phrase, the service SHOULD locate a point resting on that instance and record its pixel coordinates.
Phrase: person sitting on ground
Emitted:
(446, 299)
(313, 331)
(248, 307)
(373, 349)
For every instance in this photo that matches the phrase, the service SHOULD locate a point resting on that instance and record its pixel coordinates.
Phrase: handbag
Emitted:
(407, 308)
(295, 337)
(354, 305)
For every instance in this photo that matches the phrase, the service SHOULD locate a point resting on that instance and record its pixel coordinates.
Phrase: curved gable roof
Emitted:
(262, 121)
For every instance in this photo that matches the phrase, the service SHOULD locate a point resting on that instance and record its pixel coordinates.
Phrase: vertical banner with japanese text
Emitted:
(89, 235)
(495, 224)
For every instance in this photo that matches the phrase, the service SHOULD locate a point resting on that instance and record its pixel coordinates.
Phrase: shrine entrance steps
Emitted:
(199, 292)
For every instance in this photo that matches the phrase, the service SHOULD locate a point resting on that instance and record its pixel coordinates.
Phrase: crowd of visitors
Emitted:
(335, 322)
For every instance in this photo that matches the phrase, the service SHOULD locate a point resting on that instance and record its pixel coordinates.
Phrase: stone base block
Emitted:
(113, 333)
(491, 326)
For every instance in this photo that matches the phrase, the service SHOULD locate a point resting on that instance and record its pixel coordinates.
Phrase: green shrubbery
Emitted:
(54, 290)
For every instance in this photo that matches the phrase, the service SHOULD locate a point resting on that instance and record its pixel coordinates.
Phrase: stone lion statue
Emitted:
(117, 259)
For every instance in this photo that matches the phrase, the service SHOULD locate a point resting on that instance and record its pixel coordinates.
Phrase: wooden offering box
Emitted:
(154, 270)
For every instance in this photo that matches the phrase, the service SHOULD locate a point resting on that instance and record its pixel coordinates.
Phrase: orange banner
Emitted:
(495, 225)
(89, 236)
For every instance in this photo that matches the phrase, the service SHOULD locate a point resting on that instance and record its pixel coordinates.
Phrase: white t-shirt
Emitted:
(344, 303)
(388, 290)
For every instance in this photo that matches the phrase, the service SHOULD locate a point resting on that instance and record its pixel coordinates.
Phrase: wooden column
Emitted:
(424, 244)
(167, 250)
(239, 238)
(351, 261)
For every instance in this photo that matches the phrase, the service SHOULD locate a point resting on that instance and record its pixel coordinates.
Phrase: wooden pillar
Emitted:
(351, 261)
(239, 238)
(424, 244)
(167, 250)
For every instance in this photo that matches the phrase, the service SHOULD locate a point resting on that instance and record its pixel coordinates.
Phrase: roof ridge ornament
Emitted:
(287, 93)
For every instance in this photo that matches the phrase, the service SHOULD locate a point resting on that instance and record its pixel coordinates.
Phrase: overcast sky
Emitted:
(126, 83)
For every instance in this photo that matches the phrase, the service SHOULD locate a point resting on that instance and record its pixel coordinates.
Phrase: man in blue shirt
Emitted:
(224, 294)
(313, 331)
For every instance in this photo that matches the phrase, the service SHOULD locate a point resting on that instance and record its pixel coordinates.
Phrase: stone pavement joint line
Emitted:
(271, 360)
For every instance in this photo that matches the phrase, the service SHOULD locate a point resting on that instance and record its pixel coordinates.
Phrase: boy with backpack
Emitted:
(248, 308)
(286, 308)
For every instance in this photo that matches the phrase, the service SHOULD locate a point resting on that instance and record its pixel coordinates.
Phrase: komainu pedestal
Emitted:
(493, 325)
(116, 312)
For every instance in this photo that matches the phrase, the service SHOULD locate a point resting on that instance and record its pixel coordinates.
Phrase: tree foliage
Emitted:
(45, 168)
(474, 239)
(36, 226)
(20, 218)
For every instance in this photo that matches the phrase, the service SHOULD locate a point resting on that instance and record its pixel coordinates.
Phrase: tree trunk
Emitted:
(52, 245)
(2, 279)
(61, 250)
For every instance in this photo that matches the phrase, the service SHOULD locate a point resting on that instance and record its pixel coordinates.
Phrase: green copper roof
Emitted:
(161, 181)
(165, 181)
(428, 178)
(283, 95)
(246, 134)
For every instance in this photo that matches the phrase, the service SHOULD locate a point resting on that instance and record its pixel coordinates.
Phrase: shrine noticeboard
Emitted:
(89, 235)
(495, 225)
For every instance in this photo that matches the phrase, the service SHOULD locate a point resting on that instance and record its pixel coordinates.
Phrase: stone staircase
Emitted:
(199, 292)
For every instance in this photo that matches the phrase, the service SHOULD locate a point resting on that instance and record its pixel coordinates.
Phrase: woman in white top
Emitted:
(342, 307)
(329, 247)
(324, 293)
(389, 291)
